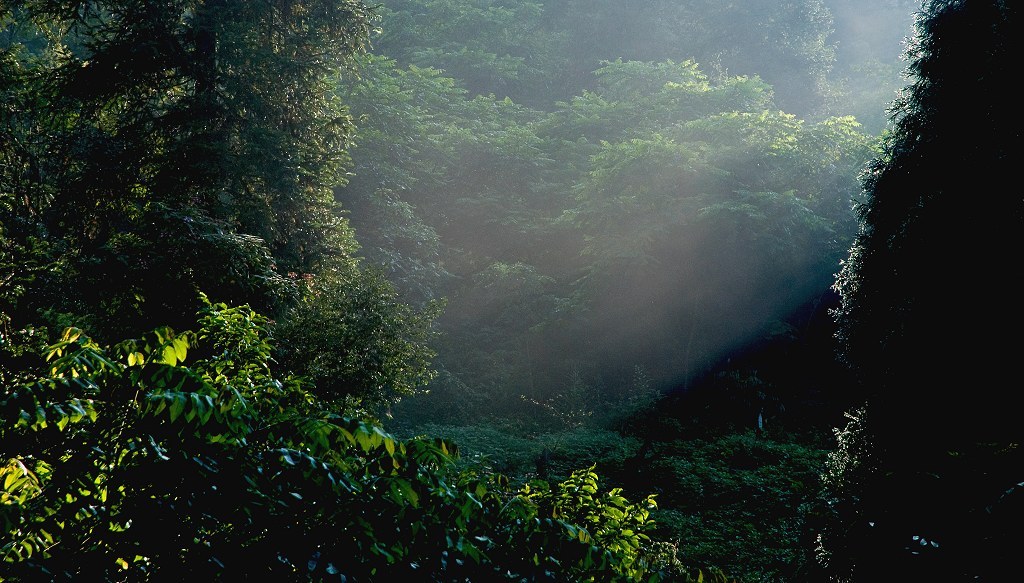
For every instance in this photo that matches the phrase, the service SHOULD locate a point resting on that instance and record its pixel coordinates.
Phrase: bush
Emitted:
(123, 463)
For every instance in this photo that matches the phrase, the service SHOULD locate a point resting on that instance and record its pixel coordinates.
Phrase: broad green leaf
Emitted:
(364, 439)
(407, 492)
(180, 348)
(177, 407)
(170, 355)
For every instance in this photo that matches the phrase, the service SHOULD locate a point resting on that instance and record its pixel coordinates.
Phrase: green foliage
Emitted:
(741, 503)
(633, 98)
(606, 520)
(351, 337)
(540, 53)
(542, 222)
(656, 173)
(171, 148)
(572, 407)
(419, 148)
(673, 209)
(850, 464)
(633, 188)
(522, 455)
(153, 153)
(506, 50)
(124, 463)
(732, 503)
(869, 70)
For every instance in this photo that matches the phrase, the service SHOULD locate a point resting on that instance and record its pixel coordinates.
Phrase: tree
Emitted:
(730, 220)
(645, 174)
(170, 148)
(157, 152)
(926, 481)
(497, 48)
(355, 342)
(538, 53)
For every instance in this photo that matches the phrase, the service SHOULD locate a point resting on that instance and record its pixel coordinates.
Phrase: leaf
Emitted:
(9, 481)
(177, 407)
(180, 348)
(206, 410)
(170, 356)
(405, 488)
(364, 439)
(348, 435)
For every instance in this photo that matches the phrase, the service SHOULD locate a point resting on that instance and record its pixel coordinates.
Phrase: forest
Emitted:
(509, 290)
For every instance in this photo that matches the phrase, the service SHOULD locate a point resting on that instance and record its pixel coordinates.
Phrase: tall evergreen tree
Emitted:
(926, 481)
(158, 149)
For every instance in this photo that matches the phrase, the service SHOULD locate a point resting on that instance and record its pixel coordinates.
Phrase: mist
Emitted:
(602, 190)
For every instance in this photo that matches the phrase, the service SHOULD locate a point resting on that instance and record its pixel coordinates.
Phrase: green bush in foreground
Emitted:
(123, 463)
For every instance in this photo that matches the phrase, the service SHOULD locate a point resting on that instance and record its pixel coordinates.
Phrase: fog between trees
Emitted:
(607, 189)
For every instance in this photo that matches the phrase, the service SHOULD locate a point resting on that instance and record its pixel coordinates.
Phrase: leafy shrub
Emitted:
(515, 452)
(123, 463)
(738, 502)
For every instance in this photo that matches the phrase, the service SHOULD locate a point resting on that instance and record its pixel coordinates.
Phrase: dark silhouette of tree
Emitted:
(926, 478)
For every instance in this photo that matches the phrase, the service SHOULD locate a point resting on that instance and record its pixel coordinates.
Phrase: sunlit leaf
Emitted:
(170, 355)
(180, 348)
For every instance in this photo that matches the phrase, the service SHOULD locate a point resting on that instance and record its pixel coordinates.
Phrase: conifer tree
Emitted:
(154, 150)
(926, 477)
